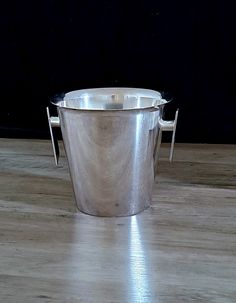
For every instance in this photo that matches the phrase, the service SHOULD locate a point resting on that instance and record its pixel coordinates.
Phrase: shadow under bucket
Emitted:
(109, 136)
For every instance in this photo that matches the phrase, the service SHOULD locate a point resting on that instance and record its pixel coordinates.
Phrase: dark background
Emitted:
(184, 47)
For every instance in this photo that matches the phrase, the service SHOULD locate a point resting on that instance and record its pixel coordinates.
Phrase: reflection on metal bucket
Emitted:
(110, 136)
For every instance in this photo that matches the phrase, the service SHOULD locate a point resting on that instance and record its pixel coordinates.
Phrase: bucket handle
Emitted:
(54, 122)
(167, 126)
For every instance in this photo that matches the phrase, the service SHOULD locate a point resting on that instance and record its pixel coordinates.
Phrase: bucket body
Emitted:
(109, 143)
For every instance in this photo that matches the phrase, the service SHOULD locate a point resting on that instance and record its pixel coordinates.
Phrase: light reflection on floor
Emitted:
(98, 265)
(138, 268)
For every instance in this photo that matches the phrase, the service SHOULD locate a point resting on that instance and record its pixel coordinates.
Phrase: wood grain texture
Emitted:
(182, 249)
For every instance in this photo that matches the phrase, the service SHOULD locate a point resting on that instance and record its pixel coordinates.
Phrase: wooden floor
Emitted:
(182, 249)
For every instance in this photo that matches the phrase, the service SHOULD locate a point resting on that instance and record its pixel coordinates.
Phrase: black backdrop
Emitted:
(183, 47)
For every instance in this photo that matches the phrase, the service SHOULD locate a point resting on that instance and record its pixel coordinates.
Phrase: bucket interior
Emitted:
(110, 103)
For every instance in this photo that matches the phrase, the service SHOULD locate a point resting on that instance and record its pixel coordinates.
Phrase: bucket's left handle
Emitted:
(54, 122)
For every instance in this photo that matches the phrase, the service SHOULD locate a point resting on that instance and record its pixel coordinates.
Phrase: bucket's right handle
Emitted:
(173, 136)
(167, 126)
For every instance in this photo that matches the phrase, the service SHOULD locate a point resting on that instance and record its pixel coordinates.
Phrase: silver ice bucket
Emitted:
(110, 137)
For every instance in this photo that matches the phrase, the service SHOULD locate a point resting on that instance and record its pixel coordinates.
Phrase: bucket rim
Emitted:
(60, 101)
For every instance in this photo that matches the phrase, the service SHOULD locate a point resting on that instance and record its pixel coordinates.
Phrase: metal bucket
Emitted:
(109, 137)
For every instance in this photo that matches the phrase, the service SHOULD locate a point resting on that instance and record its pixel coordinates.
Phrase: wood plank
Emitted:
(182, 249)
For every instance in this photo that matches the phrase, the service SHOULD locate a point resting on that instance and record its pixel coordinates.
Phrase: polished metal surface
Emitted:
(109, 137)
